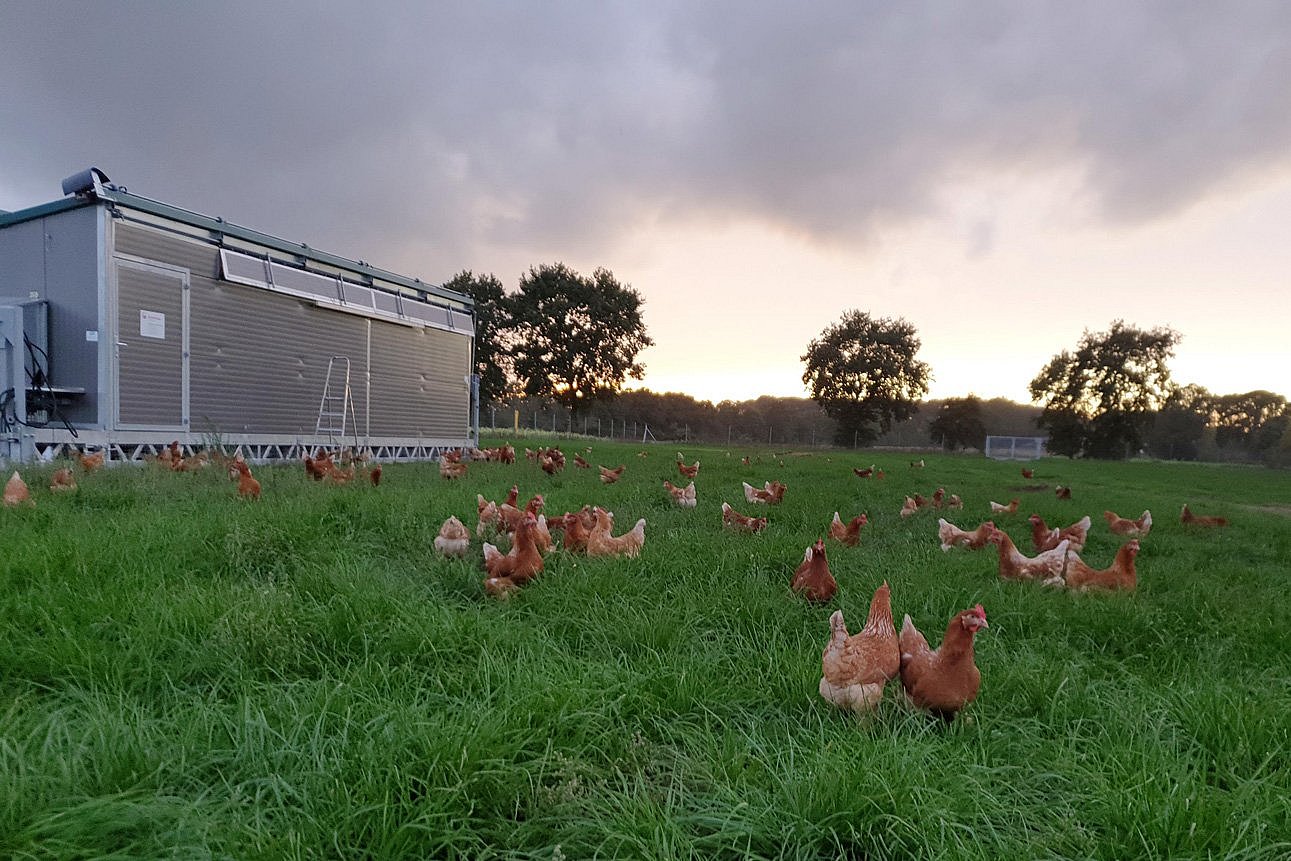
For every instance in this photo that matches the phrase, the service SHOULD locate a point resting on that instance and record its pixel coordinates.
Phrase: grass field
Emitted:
(186, 675)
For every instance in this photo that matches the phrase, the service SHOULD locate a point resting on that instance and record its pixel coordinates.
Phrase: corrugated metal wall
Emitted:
(419, 381)
(258, 359)
(150, 352)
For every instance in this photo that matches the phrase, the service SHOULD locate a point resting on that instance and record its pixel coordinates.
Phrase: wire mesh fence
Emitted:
(797, 427)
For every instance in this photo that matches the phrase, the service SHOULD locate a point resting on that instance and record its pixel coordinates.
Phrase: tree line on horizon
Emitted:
(571, 340)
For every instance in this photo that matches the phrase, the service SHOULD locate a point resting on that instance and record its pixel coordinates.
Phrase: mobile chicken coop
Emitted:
(126, 323)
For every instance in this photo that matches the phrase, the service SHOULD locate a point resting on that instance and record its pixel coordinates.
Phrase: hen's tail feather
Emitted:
(911, 640)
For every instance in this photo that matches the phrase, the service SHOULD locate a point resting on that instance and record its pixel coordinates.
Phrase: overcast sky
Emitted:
(1003, 175)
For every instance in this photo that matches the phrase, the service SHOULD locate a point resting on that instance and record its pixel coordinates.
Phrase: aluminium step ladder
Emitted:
(336, 409)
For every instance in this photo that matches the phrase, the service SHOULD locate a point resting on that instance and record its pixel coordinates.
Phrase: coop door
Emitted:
(152, 346)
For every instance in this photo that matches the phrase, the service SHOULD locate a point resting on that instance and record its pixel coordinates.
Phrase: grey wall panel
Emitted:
(418, 381)
(72, 268)
(22, 259)
(259, 359)
(56, 258)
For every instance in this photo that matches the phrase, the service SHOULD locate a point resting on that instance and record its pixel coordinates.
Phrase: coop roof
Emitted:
(216, 230)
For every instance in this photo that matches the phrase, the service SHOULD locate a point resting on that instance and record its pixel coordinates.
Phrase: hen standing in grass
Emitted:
(578, 527)
(453, 539)
(451, 469)
(952, 536)
(947, 679)
(1129, 528)
(732, 519)
(91, 462)
(1120, 576)
(854, 669)
(1045, 537)
(848, 533)
(812, 577)
(508, 572)
(62, 481)
(683, 496)
(16, 492)
(772, 493)
(1015, 566)
(601, 541)
(1187, 518)
(248, 487)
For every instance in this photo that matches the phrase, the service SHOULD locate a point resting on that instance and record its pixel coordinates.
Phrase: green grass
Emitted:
(186, 675)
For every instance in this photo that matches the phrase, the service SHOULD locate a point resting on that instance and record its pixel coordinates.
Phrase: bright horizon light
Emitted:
(989, 319)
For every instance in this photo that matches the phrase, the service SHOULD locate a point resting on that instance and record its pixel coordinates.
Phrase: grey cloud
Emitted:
(403, 129)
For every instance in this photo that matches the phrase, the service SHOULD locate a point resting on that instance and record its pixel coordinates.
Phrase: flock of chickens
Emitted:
(589, 530)
(321, 466)
(63, 480)
(854, 668)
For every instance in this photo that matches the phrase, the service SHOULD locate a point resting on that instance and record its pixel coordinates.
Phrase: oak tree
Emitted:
(1100, 400)
(1180, 425)
(1251, 420)
(576, 339)
(959, 424)
(863, 373)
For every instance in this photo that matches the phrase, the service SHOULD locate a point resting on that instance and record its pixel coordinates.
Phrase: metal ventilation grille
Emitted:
(242, 269)
(460, 322)
(353, 294)
(427, 313)
(309, 283)
(339, 294)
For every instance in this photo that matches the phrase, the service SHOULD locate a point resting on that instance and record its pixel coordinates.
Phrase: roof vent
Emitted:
(89, 180)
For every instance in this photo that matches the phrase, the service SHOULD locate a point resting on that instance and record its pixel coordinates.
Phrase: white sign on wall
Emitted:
(152, 324)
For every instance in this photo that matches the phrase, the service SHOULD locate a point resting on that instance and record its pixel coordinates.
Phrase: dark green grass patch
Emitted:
(186, 674)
